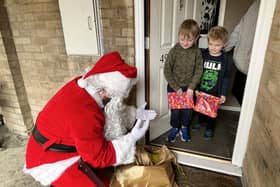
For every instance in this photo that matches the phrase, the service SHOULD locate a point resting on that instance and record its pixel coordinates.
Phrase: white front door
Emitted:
(165, 19)
(264, 23)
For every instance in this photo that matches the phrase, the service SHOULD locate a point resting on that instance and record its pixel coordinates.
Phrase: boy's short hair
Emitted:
(189, 26)
(218, 33)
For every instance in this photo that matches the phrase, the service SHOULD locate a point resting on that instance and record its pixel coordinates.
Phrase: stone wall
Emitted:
(262, 160)
(36, 64)
(118, 27)
(13, 96)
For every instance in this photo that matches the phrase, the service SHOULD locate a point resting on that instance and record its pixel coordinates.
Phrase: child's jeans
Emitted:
(180, 117)
(210, 122)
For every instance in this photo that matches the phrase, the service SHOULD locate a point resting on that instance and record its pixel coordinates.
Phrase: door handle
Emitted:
(163, 58)
(89, 23)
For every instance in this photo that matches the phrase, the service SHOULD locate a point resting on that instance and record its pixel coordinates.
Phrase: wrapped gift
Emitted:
(207, 104)
(180, 102)
(153, 167)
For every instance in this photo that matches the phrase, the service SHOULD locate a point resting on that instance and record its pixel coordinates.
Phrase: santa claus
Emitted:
(68, 140)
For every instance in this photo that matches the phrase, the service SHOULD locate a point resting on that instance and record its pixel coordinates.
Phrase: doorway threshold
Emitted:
(220, 146)
(208, 163)
(191, 151)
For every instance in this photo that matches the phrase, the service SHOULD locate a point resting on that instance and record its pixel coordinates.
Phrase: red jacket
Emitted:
(71, 117)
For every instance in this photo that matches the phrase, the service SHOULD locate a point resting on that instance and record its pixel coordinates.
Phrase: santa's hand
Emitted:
(143, 114)
(139, 131)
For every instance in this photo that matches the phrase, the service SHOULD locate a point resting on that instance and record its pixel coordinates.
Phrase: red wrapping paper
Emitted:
(207, 104)
(180, 102)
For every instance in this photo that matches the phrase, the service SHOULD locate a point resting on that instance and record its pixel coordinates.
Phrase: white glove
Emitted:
(138, 132)
(143, 114)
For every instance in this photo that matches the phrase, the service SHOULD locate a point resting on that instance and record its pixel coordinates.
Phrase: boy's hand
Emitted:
(196, 93)
(190, 92)
(179, 92)
(222, 99)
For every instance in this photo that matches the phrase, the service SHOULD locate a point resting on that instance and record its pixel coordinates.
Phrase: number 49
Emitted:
(163, 58)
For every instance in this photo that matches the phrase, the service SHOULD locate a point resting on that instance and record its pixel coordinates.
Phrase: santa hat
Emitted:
(111, 73)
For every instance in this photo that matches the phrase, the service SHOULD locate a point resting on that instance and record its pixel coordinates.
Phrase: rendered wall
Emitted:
(262, 160)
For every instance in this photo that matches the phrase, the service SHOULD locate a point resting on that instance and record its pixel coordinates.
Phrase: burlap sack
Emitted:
(153, 168)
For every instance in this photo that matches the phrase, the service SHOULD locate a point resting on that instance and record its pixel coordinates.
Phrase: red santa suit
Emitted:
(74, 117)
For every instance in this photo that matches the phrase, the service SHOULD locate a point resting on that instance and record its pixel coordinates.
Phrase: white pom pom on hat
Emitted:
(82, 83)
(116, 75)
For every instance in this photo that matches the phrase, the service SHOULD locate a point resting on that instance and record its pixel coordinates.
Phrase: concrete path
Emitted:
(12, 156)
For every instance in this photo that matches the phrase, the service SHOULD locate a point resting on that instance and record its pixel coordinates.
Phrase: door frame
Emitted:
(264, 22)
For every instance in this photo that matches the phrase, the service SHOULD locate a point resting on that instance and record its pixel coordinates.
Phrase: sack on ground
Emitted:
(153, 168)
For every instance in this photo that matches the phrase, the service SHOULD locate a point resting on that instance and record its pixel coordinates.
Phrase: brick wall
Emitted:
(118, 27)
(118, 31)
(262, 160)
(39, 66)
(13, 94)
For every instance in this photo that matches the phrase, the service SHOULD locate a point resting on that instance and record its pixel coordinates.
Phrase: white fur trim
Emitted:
(82, 83)
(125, 149)
(47, 173)
(115, 83)
(119, 118)
(94, 94)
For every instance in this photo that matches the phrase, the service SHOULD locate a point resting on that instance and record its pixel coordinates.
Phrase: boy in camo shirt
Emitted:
(183, 69)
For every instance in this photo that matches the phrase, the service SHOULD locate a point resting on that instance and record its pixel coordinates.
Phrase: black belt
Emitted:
(54, 147)
(83, 166)
(89, 172)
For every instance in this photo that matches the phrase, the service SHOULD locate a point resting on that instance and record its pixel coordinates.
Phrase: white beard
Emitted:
(119, 118)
